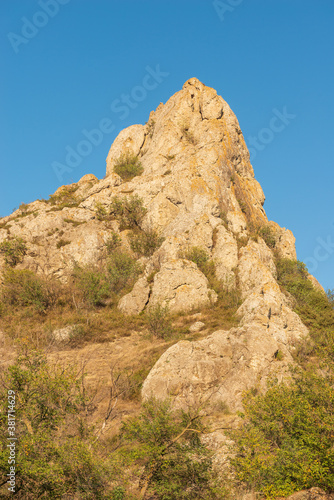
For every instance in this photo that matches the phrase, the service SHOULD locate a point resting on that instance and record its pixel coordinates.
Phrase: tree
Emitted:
(55, 453)
(167, 445)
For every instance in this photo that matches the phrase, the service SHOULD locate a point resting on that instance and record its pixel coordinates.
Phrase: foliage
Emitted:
(145, 242)
(92, 283)
(167, 446)
(197, 255)
(128, 166)
(129, 212)
(200, 257)
(113, 242)
(158, 321)
(62, 243)
(55, 454)
(101, 212)
(25, 288)
(313, 306)
(14, 250)
(122, 270)
(287, 441)
(65, 197)
(116, 275)
(267, 235)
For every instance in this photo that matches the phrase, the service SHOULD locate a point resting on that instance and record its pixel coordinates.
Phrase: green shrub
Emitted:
(122, 271)
(200, 257)
(287, 441)
(158, 321)
(113, 242)
(14, 250)
(56, 452)
(101, 211)
(128, 166)
(93, 284)
(98, 283)
(145, 242)
(25, 288)
(267, 234)
(129, 212)
(166, 445)
(197, 255)
(312, 305)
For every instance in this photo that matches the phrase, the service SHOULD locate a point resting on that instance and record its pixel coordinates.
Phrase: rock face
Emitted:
(181, 286)
(199, 190)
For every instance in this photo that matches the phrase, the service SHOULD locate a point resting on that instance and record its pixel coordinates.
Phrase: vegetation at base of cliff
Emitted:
(24, 288)
(165, 448)
(128, 166)
(58, 454)
(286, 443)
(158, 321)
(117, 275)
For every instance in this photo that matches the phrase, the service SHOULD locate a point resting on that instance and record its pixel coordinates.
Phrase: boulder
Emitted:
(181, 286)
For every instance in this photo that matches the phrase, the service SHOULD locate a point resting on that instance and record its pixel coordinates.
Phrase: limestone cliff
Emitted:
(199, 190)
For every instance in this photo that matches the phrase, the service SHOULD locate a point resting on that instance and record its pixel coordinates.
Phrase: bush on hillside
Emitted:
(129, 212)
(145, 242)
(14, 249)
(24, 288)
(116, 276)
(287, 441)
(128, 166)
(56, 455)
(165, 446)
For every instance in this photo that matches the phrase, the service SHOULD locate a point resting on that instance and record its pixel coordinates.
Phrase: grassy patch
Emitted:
(62, 243)
(24, 288)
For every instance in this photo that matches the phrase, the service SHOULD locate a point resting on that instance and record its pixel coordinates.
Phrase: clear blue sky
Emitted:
(66, 62)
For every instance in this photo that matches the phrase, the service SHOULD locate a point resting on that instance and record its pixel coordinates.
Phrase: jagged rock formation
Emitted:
(199, 189)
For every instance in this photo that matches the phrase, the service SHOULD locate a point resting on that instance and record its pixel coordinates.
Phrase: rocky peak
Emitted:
(198, 190)
(195, 146)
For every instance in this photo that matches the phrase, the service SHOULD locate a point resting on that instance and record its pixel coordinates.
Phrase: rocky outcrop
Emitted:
(219, 367)
(181, 286)
(199, 190)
